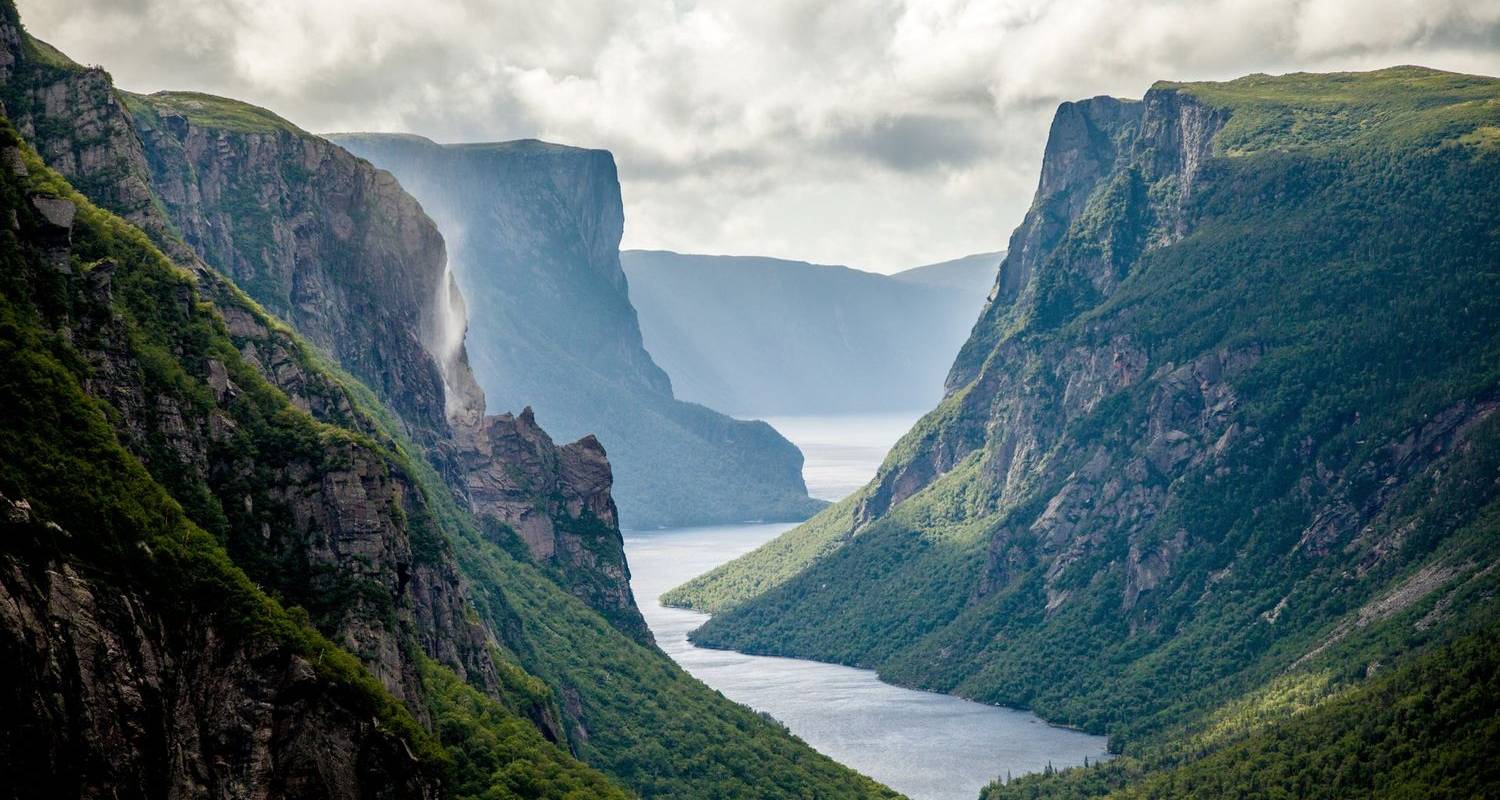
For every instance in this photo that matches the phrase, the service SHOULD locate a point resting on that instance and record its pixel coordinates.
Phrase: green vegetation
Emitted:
(1400, 107)
(1426, 729)
(498, 755)
(61, 452)
(1345, 250)
(207, 111)
(769, 565)
(63, 455)
(628, 709)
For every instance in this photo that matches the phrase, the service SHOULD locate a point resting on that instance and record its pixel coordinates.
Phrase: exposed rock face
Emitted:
(318, 237)
(357, 267)
(109, 698)
(1019, 395)
(327, 527)
(534, 231)
(557, 501)
(1169, 407)
(78, 124)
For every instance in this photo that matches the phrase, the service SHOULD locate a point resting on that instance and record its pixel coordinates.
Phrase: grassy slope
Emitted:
(208, 111)
(1351, 229)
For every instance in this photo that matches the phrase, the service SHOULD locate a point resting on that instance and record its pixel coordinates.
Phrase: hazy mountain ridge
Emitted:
(534, 232)
(973, 275)
(172, 454)
(1227, 423)
(764, 336)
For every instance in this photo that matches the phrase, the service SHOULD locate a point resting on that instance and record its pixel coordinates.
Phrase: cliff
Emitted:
(319, 238)
(534, 232)
(1224, 424)
(764, 336)
(148, 646)
(556, 501)
(228, 569)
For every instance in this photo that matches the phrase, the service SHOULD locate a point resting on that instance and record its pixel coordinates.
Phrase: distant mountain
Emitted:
(766, 336)
(1216, 472)
(972, 275)
(533, 232)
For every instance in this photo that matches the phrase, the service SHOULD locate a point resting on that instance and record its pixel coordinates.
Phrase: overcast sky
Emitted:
(879, 134)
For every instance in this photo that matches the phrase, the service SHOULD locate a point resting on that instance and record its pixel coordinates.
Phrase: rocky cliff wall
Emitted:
(1192, 405)
(321, 239)
(533, 231)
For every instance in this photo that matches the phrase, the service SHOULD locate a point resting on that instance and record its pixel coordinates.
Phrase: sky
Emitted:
(881, 134)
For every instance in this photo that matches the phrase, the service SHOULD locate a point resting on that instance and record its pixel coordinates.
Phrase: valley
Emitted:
(369, 466)
(927, 746)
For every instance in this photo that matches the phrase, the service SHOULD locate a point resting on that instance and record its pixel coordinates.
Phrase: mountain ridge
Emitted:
(765, 337)
(1226, 421)
(552, 326)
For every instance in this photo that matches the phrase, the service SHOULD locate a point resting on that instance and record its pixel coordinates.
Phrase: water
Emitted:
(925, 745)
(840, 454)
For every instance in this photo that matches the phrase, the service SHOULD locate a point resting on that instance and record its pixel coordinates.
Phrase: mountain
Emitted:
(534, 232)
(1217, 465)
(229, 567)
(764, 336)
(972, 275)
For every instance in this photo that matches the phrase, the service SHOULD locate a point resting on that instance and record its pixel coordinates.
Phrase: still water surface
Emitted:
(925, 745)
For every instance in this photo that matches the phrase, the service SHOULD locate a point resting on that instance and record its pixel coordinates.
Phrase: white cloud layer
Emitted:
(877, 133)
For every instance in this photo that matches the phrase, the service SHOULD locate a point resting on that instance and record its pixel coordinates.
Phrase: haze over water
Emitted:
(928, 746)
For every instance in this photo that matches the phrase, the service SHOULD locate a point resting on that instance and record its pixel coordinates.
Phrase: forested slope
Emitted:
(1229, 421)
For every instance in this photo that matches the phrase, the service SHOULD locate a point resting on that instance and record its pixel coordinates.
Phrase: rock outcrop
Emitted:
(111, 697)
(557, 501)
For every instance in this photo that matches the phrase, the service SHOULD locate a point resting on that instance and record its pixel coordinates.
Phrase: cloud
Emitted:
(877, 133)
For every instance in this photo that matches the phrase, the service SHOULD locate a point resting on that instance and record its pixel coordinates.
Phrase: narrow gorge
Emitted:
(363, 466)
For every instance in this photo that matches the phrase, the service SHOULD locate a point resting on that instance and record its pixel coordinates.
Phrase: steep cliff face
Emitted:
(534, 231)
(556, 501)
(113, 696)
(82, 129)
(319, 238)
(1229, 413)
(311, 232)
(149, 664)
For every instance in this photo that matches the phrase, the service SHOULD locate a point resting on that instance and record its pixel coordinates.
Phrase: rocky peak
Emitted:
(556, 501)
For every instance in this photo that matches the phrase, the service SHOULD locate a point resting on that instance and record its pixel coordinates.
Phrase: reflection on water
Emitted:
(927, 746)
